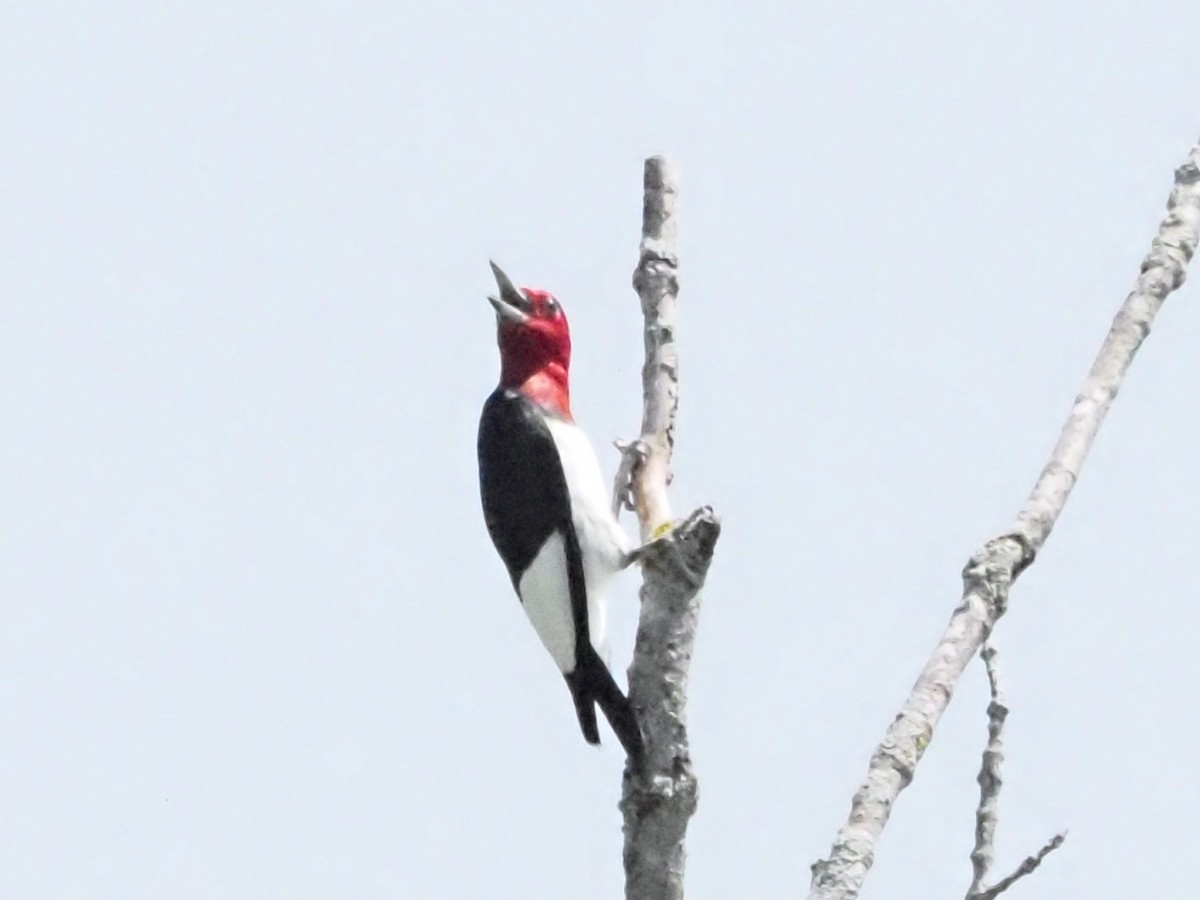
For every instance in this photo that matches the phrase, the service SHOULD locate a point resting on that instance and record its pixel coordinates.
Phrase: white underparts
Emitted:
(544, 588)
(546, 596)
(602, 541)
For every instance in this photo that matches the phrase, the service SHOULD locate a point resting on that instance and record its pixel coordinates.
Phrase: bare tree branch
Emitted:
(990, 783)
(658, 800)
(991, 570)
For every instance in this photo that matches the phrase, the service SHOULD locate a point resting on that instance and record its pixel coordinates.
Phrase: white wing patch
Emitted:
(546, 596)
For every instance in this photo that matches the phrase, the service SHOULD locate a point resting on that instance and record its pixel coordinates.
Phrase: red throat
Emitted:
(535, 358)
(548, 389)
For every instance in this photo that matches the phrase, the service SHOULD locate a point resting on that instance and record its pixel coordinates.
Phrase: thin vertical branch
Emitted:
(658, 800)
(990, 778)
(990, 783)
(990, 572)
(656, 280)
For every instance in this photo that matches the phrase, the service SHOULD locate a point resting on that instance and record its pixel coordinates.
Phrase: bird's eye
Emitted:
(551, 306)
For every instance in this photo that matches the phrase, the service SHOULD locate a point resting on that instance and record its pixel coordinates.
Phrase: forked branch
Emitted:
(990, 782)
(990, 572)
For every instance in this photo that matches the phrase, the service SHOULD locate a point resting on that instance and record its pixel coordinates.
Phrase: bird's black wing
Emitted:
(521, 483)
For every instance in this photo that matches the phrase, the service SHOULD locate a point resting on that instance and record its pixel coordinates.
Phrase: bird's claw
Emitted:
(660, 541)
(633, 454)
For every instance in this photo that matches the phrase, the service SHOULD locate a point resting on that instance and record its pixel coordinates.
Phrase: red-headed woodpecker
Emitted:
(545, 504)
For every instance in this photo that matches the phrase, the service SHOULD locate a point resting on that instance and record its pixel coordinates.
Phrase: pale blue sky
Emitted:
(255, 640)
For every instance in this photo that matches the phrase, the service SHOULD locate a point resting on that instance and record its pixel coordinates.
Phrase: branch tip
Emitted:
(1027, 867)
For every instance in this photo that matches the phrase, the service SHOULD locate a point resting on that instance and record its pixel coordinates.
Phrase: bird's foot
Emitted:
(683, 546)
(633, 454)
(660, 541)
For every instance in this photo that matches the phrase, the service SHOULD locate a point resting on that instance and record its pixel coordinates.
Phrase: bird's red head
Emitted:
(535, 344)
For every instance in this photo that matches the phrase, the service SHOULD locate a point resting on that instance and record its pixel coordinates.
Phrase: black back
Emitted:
(521, 482)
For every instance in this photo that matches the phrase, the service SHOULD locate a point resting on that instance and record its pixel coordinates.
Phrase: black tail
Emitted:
(592, 683)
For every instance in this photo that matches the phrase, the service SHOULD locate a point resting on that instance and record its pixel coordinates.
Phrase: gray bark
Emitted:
(658, 800)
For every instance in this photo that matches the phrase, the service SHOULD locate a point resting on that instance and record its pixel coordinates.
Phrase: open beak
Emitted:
(512, 305)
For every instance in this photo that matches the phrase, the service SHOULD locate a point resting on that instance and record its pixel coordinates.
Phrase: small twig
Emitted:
(990, 572)
(1025, 868)
(990, 780)
(990, 783)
